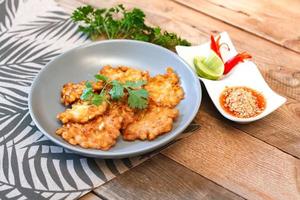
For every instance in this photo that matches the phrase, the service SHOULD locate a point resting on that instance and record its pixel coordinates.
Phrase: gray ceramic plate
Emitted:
(83, 62)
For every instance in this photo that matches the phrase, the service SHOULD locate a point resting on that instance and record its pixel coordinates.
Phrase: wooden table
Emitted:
(224, 160)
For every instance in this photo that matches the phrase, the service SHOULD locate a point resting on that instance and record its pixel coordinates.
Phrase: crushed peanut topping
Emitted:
(242, 102)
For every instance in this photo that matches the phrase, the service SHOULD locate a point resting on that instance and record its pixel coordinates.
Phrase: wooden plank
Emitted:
(90, 196)
(280, 129)
(279, 66)
(276, 21)
(162, 178)
(237, 161)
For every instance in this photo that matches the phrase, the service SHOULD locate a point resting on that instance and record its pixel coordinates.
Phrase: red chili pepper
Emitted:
(231, 63)
(215, 45)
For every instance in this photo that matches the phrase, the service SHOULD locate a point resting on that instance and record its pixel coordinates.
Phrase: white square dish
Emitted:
(245, 74)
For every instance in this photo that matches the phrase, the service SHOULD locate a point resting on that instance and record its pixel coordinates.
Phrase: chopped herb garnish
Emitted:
(136, 84)
(117, 90)
(117, 22)
(87, 93)
(88, 84)
(137, 97)
(98, 99)
(101, 77)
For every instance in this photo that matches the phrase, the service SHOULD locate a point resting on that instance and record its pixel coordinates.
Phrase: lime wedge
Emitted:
(211, 67)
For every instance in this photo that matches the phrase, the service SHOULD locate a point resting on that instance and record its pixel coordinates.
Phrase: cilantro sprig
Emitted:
(89, 95)
(117, 22)
(137, 96)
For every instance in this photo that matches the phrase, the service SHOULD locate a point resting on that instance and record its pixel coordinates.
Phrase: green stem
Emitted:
(106, 30)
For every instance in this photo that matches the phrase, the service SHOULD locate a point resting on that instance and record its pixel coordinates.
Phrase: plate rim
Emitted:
(107, 154)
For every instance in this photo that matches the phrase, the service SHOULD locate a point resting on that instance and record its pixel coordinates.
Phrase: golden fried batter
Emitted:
(123, 110)
(100, 133)
(151, 123)
(71, 92)
(124, 74)
(165, 90)
(81, 112)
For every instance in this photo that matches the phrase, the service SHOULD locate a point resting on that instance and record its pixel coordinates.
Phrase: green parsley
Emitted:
(89, 95)
(136, 84)
(117, 22)
(137, 97)
(98, 99)
(117, 90)
(101, 77)
(88, 92)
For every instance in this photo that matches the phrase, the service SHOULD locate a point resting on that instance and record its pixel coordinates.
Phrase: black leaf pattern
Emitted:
(38, 168)
(14, 166)
(6, 189)
(24, 51)
(80, 171)
(53, 173)
(8, 9)
(53, 24)
(26, 168)
(14, 100)
(111, 165)
(94, 167)
(5, 163)
(8, 130)
(67, 175)
(127, 162)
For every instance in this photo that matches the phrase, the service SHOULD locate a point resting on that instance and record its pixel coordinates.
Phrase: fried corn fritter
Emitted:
(100, 133)
(81, 112)
(123, 110)
(151, 123)
(98, 127)
(165, 90)
(71, 92)
(124, 74)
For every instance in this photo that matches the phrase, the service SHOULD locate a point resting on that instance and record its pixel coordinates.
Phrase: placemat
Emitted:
(33, 32)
